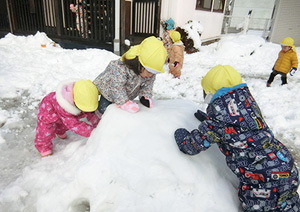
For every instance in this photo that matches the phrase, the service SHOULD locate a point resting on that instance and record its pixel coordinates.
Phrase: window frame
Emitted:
(199, 6)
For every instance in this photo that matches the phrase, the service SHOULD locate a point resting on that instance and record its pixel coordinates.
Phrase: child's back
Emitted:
(268, 177)
(176, 55)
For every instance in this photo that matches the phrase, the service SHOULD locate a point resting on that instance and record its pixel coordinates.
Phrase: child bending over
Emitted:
(264, 166)
(62, 110)
(132, 76)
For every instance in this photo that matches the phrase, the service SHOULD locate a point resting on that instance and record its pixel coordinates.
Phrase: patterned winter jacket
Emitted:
(234, 122)
(54, 108)
(167, 40)
(286, 61)
(119, 84)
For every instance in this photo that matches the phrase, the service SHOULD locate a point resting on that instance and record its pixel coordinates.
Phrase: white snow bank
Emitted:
(119, 170)
(242, 45)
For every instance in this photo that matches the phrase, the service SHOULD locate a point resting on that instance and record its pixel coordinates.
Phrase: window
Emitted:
(210, 5)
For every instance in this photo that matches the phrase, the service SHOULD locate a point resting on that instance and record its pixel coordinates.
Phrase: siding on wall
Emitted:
(286, 23)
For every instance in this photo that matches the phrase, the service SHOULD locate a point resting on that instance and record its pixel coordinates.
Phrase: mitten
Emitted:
(293, 71)
(147, 102)
(175, 64)
(129, 106)
(200, 115)
(180, 134)
(72, 8)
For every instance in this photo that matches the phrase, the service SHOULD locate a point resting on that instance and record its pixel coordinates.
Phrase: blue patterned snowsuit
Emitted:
(265, 168)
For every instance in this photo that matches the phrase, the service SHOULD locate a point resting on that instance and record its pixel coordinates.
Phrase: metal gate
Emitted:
(4, 24)
(145, 20)
(87, 21)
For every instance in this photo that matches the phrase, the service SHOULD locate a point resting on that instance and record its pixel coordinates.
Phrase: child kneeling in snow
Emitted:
(131, 76)
(62, 110)
(265, 168)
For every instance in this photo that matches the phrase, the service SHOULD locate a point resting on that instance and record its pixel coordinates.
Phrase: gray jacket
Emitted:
(119, 84)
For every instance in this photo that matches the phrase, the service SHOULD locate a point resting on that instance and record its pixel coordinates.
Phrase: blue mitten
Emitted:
(200, 115)
(180, 135)
(293, 71)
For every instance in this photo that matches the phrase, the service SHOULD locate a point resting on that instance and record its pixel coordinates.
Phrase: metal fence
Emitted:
(145, 18)
(88, 21)
(4, 23)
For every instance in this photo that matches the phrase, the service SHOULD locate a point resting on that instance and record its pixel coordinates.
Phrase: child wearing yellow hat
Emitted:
(176, 55)
(62, 110)
(167, 25)
(132, 76)
(264, 166)
(287, 61)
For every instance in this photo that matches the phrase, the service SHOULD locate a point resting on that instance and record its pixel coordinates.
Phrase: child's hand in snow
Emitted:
(129, 106)
(180, 136)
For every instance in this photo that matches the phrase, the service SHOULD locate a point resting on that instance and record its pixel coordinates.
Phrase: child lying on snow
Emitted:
(264, 166)
(62, 110)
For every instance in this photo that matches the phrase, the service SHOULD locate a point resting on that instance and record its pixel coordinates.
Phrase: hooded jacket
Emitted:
(57, 114)
(119, 84)
(286, 61)
(176, 55)
(234, 122)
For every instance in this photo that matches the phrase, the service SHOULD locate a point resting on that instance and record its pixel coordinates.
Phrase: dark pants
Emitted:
(103, 104)
(274, 73)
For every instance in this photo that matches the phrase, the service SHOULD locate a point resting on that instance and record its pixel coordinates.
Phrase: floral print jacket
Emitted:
(119, 84)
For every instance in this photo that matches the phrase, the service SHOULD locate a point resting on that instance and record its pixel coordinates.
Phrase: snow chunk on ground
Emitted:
(242, 45)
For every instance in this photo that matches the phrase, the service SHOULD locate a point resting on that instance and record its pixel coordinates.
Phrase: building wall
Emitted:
(286, 23)
(261, 11)
(183, 11)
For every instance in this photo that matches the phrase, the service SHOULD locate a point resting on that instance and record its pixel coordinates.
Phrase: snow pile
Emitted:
(242, 45)
(194, 30)
(130, 163)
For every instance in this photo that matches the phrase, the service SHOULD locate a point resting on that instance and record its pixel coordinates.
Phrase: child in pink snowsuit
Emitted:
(62, 110)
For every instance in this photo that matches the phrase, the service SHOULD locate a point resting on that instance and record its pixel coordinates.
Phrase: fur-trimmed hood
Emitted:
(178, 43)
(64, 97)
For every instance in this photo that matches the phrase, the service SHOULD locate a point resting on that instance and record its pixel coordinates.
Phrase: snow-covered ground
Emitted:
(131, 161)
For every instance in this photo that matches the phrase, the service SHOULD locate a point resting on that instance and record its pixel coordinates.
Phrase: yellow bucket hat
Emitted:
(220, 76)
(151, 54)
(175, 36)
(85, 95)
(288, 41)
